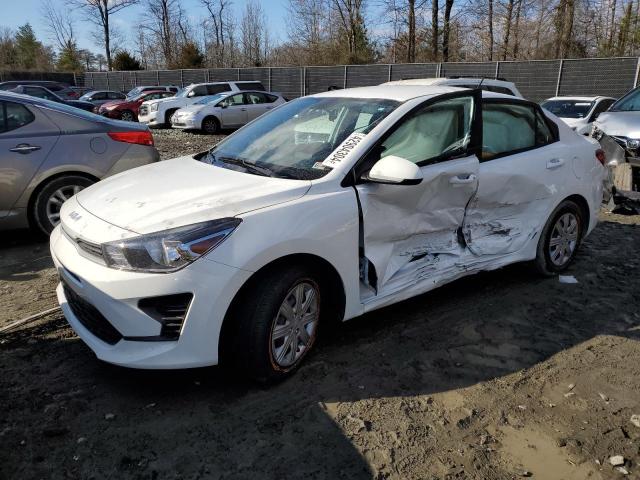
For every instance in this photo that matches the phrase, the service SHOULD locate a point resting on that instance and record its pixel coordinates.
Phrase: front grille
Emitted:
(622, 141)
(169, 310)
(143, 110)
(91, 318)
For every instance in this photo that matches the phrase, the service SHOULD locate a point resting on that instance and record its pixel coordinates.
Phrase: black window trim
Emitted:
(353, 177)
(553, 128)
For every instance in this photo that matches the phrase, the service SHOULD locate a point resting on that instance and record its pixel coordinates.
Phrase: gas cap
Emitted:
(98, 145)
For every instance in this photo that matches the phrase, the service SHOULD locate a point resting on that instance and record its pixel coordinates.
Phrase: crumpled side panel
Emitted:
(506, 212)
(410, 232)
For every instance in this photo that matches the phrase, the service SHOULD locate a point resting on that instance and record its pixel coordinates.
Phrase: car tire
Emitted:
(210, 125)
(127, 116)
(560, 239)
(45, 212)
(265, 324)
(167, 117)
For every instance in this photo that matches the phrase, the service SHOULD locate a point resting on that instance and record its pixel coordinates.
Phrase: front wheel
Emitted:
(49, 200)
(210, 125)
(275, 325)
(560, 239)
(127, 116)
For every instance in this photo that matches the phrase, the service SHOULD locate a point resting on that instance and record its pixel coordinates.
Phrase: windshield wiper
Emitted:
(250, 167)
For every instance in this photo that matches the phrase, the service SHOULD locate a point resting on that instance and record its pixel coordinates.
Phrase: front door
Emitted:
(523, 174)
(411, 233)
(234, 112)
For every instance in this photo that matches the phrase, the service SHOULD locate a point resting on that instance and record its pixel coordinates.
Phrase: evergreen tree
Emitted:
(123, 60)
(27, 46)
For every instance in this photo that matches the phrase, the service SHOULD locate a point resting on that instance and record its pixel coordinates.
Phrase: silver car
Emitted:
(50, 151)
(225, 110)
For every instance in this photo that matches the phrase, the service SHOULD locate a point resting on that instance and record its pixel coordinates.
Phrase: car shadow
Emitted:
(23, 253)
(206, 422)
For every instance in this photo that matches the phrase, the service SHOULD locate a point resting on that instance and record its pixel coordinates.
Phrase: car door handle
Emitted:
(24, 148)
(463, 179)
(243, 109)
(555, 163)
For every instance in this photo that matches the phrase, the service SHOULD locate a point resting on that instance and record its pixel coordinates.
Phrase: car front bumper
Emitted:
(116, 296)
(150, 118)
(186, 123)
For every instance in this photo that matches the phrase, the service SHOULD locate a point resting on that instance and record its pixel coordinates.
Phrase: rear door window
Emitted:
(255, 97)
(99, 96)
(14, 116)
(509, 128)
(115, 96)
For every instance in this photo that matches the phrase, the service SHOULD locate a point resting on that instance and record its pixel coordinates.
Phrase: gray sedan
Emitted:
(50, 151)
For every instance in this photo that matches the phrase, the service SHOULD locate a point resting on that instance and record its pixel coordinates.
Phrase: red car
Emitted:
(127, 109)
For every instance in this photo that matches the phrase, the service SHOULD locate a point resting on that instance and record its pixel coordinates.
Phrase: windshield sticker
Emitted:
(343, 150)
(319, 166)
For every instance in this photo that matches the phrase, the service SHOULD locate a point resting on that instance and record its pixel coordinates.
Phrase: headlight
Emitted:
(596, 133)
(154, 107)
(169, 250)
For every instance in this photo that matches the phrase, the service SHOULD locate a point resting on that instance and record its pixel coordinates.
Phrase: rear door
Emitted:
(234, 111)
(411, 232)
(26, 138)
(524, 170)
(256, 104)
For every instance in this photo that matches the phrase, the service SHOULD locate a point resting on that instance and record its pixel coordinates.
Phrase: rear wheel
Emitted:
(560, 239)
(211, 125)
(127, 116)
(275, 325)
(49, 200)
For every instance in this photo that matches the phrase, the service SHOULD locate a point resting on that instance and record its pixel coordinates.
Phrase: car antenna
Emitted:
(480, 84)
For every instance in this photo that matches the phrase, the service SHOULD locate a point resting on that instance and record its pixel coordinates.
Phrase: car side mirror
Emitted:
(394, 170)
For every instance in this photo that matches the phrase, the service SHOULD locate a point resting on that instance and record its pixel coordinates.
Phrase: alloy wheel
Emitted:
(126, 116)
(294, 327)
(564, 239)
(57, 198)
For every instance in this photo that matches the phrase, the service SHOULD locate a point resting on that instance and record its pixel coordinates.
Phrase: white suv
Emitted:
(497, 86)
(158, 112)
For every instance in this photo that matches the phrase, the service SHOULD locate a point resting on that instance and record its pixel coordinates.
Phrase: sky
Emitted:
(14, 13)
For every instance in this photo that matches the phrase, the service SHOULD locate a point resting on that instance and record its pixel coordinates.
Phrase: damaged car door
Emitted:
(523, 169)
(411, 233)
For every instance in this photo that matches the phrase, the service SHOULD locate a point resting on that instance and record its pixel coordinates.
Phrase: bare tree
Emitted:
(99, 13)
(59, 23)
(254, 34)
(446, 29)
(219, 17)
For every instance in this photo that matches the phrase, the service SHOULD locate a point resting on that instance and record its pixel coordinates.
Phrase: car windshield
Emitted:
(289, 141)
(134, 93)
(629, 103)
(210, 99)
(568, 108)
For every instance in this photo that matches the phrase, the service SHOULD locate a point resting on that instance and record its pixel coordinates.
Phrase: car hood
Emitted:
(160, 100)
(625, 124)
(183, 191)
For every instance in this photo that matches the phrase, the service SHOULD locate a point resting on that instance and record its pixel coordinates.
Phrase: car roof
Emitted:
(401, 93)
(449, 80)
(21, 98)
(580, 99)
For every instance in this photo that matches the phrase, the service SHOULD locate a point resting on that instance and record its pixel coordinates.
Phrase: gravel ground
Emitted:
(175, 143)
(497, 376)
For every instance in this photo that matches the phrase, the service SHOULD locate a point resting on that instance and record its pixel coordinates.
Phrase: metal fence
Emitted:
(64, 77)
(536, 79)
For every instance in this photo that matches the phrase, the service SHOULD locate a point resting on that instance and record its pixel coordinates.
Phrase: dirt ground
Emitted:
(497, 376)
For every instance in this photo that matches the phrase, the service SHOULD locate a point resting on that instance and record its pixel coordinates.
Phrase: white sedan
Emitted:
(578, 112)
(330, 206)
(225, 110)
